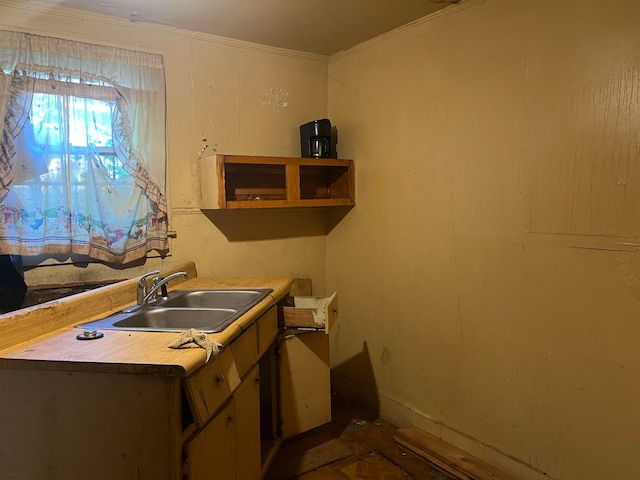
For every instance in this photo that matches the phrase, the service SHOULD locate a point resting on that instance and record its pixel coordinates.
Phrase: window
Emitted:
(82, 162)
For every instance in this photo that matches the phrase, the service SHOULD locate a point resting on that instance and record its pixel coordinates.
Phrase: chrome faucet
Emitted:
(142, 288)
(160, 283)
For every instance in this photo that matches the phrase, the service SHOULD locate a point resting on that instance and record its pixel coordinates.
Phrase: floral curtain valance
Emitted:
(82, 149)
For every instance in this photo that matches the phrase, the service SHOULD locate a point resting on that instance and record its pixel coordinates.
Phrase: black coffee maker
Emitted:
(315, 139)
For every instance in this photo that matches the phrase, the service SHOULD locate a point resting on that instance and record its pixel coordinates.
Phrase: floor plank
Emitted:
(375, 454)
(301, 460)
(368, 466)
(448, 457)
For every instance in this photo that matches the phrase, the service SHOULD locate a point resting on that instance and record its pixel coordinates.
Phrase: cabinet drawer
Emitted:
(211, 386)
(267, 329)
(245, 350)
(317, 313)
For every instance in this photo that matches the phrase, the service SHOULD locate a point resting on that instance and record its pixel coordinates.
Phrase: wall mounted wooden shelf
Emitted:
(239, 181)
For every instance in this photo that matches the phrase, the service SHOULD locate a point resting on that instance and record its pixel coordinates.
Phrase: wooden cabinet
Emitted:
(208, 388)
(285, 392)
(247, 458)
(148, 426)
(236, 181)
(148, 421)
(304, 367)
(210, 454)
(66, 425)
(305, 389)
(224, 398)
(228, 447)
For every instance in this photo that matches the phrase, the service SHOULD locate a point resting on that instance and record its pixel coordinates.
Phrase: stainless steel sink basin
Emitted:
(162, 319)
(169, 319)
(214, 298)
(209, 311)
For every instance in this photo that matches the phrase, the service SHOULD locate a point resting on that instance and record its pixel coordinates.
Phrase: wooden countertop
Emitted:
(133, 352)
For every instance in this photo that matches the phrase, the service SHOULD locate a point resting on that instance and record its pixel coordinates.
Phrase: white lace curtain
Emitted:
(82, 149)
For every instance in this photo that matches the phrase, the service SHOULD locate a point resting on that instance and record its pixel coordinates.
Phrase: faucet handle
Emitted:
(160, 283)
(143, 278)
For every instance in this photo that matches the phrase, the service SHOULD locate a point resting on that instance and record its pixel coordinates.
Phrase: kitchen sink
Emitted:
(178, 319)
(209, 311)
(214, 298)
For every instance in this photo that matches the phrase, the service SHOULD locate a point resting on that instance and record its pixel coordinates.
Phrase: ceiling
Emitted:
(320, 26)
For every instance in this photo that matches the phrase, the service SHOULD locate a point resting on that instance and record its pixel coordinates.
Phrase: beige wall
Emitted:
(222, 96)
(488, 275)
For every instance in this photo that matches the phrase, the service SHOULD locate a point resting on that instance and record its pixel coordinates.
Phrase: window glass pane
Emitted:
(64, 126)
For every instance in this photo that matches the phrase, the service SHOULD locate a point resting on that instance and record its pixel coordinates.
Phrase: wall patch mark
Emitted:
(276, 98)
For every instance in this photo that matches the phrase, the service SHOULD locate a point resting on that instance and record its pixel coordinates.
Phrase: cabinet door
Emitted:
(247, 427)
(209, 455)
(210, 387)
(305, 390)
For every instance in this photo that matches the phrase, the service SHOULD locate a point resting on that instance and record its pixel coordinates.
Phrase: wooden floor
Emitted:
(352, 446)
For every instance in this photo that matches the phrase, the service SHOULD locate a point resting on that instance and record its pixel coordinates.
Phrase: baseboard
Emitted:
(401, 415)
(397, 413)
(447, 457)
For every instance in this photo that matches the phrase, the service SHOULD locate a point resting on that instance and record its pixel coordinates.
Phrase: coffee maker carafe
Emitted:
(315, 139)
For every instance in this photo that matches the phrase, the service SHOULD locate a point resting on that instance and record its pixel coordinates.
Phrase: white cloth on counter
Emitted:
(192, 338)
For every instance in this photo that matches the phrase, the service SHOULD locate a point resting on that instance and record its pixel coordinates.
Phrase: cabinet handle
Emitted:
(220, 379)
